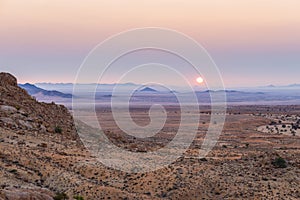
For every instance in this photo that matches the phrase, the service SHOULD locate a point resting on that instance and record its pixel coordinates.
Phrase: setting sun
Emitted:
(199, 79)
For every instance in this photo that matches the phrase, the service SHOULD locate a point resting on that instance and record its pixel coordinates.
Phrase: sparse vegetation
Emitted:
(18, 107)
(58, 129)
(61, 196)
(287, 125)
(279, 163)
(78, 197)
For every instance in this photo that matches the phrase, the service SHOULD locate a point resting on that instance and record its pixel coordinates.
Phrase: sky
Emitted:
(253, 42)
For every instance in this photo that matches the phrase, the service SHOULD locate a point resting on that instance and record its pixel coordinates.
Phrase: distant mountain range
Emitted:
(159, 93)
(294, 85)
(68, 87)
(123, 87)
(283, 86)
(36, 91)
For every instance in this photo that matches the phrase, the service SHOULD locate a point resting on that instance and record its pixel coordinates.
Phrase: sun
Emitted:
(199, 79)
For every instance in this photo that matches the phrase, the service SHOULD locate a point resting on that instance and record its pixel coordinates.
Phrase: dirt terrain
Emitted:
(39, 159)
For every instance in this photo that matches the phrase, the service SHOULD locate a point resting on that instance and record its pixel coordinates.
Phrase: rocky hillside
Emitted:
(27, 124)
(19, 111)
(41, 156)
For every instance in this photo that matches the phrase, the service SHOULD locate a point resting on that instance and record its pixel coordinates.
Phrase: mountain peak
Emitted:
(148, 89)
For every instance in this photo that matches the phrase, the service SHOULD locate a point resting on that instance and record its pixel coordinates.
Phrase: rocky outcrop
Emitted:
(7, 79)
(21, 112)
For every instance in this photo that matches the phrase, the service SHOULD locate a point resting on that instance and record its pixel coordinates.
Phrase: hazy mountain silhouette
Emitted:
(147, 89)
(34, 90)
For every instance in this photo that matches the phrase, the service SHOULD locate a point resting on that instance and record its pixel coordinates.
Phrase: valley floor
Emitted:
(241, 166)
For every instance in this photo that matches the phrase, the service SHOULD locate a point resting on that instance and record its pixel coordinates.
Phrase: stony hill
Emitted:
(19, 111)
(29, 131)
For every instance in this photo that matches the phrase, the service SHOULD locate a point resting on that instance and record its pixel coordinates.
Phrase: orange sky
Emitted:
(254, 20)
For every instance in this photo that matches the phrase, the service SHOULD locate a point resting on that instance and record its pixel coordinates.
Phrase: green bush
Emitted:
(77, 197)
(58, 129)
(279, 163)
(61, 196)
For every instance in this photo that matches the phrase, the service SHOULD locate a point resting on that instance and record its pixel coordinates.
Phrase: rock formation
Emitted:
(19, 111)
